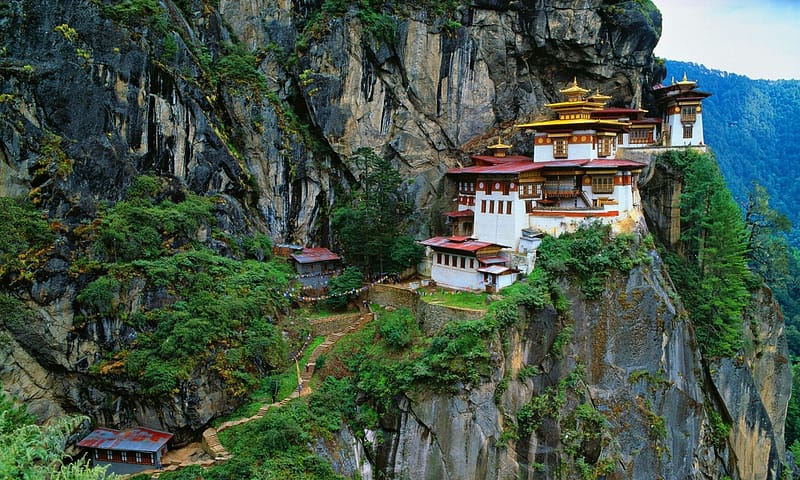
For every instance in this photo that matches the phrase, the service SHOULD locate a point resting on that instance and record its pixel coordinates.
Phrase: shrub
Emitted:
(398, 328)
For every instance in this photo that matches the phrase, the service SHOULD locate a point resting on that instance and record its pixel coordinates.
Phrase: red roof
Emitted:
(492, 260)
(136, 439)
(463, 244)
(495, 269)
(313, 255)
(502, 168)
(613, 163)
(491, 160)
(460, 213)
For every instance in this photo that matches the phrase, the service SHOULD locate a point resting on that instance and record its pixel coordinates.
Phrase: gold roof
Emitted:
(599, 97)
(499, 145)
(574, 90)
(685, 81)
(577, 122)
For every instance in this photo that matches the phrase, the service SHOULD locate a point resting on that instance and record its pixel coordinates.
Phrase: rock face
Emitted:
(633, 359)
(90, 99)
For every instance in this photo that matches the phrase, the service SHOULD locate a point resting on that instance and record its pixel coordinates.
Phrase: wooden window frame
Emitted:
(602, 184)
(560, 148)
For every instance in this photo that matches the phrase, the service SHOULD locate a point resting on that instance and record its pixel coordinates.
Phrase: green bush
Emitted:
(398, 328)
(24, 233)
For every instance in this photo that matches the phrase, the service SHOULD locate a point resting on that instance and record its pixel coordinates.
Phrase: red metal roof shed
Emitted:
(137, 439)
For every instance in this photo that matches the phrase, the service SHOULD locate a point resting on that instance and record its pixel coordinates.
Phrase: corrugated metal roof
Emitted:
(495, 269)
(456, 243)
(613, 162)
(461, 213)
(136, 439)
(500, 168)
(492, 260)
(313, 255)
(488, 159)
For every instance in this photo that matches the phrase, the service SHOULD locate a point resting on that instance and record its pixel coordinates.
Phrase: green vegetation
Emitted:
(214, 312)
(276, 447)
(711, 272)
(458, 299)
(592, 254)
(343, 288)
(30, 451)
(25, 236)
(369, 226)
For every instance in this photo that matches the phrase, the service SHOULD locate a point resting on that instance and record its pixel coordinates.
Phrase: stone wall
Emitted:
(339, 323)
(393, 296)
(432, 317)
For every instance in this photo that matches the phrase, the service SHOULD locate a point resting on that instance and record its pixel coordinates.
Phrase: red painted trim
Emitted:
(562, 213)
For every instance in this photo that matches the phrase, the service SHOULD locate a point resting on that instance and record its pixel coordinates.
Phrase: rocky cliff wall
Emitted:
(631, 358)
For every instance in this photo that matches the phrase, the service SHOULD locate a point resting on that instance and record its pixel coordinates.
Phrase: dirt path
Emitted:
(210, 451)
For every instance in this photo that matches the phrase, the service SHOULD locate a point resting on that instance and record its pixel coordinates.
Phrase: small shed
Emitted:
(126, 451)
(315, 266)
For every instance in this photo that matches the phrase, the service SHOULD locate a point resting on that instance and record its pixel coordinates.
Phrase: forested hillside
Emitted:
(750, 126)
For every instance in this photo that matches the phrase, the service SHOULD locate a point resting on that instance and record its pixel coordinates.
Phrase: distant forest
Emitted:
(751, 125)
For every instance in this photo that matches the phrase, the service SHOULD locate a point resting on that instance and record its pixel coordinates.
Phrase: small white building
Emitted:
(466, 264)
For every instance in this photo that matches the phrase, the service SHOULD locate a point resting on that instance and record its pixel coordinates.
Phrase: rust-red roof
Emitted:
(313, 255)
(613, 163)
(492, 160)
(463, 244)
(461, 213)
(137, 439)
(500, 168)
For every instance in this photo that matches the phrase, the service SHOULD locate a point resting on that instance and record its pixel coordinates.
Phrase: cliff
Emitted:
(259, 104)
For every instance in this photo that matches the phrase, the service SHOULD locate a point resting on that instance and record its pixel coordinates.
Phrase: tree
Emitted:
(29, 451)
(344, 287)
(768, 249)
(712, 275)
(406, 252)
(367, 226)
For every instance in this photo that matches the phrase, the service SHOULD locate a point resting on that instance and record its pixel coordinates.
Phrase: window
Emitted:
(602, 184)
(605, 146)
(508, 208)
(688, 114)
(124, 456)
(439, 258)
(471, 263)
(687, 130)
(528, 206)
(560, 148)
(483, 206)
(491, 206)
(447, 259)
(138, 457)
(463, 262)
(641, 135)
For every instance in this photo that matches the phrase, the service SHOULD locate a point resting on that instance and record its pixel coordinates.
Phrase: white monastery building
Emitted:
(505, 203)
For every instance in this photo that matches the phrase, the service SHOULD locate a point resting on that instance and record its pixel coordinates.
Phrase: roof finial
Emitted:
(575, 80)
(684, 77)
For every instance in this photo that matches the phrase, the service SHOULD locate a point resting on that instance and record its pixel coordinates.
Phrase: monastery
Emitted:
(577, 174)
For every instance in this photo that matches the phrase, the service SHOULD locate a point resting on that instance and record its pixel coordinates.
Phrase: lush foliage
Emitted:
(24, 236)
(591, 253)
(276, 447)
(711, 271)
(343, 288)
(30, 451)
(209, 310)
(369, 227)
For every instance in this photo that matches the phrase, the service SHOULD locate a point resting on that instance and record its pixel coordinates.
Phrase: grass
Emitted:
(470, 300)
(287, 383)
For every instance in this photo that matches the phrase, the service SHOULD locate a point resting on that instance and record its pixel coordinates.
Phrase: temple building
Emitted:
(681, 103)
(506, 202)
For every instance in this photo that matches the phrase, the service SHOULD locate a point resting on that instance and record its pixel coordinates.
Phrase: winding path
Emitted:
(211, 451)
